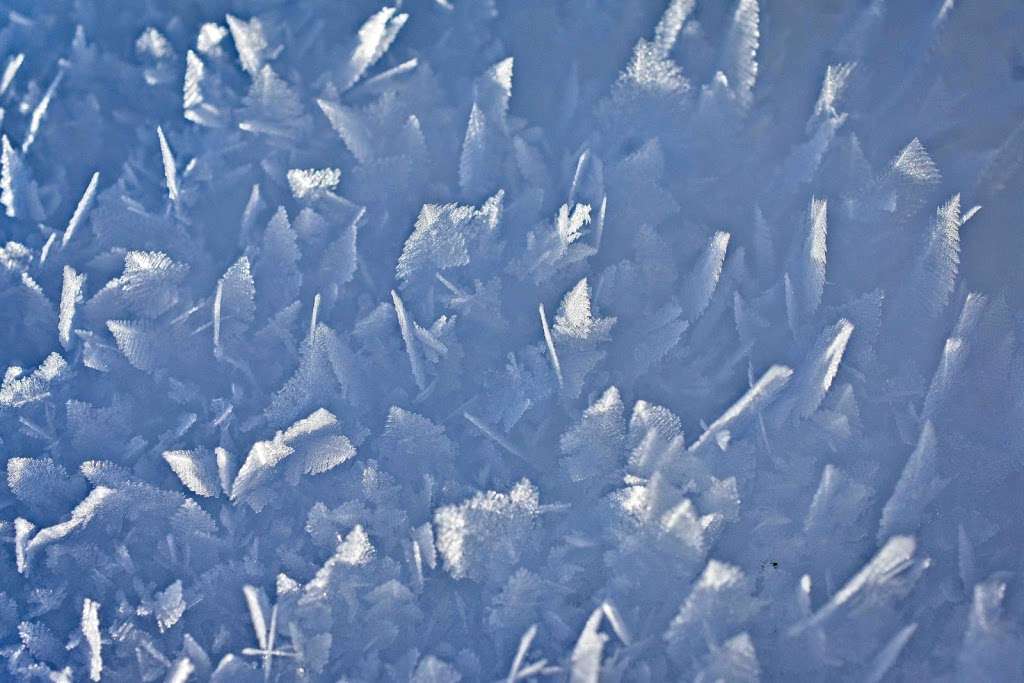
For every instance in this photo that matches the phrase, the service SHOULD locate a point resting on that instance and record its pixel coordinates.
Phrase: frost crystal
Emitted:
(485, 536)
(478, 340)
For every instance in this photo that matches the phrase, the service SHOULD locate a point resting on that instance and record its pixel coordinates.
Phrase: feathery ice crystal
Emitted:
(601, 340)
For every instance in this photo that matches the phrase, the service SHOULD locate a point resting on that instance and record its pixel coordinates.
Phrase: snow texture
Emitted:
(477, 340)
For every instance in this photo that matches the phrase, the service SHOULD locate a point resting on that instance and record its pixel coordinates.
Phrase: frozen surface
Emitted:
(511, 339)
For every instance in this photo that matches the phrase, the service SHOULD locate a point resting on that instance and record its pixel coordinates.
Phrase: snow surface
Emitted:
(596, 340)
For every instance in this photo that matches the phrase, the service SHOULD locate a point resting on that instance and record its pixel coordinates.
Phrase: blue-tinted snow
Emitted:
(446, 340)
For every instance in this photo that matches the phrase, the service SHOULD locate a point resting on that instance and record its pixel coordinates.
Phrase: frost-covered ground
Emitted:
(450, 340)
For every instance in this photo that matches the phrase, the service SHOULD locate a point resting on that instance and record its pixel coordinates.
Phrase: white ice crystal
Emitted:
(476, 340)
